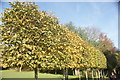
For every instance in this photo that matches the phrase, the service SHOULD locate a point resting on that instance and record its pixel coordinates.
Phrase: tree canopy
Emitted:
(36, 39)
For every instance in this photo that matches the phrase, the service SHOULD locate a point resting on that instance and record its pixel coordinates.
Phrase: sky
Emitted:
(102, 15)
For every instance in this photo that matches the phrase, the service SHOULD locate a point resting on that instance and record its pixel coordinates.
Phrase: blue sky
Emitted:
(102, 15)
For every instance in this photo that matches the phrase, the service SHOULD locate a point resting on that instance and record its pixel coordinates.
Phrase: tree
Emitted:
(98, 39)
(113, 63)
(36, 39)
(27, 34)
(91, 58)
(70, 26)
(91, 34)
(81, 33)
(84, 54)
(105, 43)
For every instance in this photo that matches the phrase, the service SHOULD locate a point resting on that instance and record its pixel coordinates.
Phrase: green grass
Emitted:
(29, 74)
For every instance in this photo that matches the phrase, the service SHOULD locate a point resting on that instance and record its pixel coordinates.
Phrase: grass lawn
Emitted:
(29, 74)
(7, 74)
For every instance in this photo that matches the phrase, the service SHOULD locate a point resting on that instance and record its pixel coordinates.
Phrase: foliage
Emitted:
(105, 43)
(84, 54)
(70, 26)
(28, 35)
(36, 39)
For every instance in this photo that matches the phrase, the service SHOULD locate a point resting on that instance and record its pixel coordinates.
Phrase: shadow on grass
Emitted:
(50, 79)
(88, 79)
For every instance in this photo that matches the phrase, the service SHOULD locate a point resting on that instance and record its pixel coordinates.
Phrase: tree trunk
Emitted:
(73, 72)
(77, 72)
(20, 68)
(36, 73)
(103, 74)
(96, 75)
(55, 71)
(92, 75)
(79, 75)
(65, 74)
(86, 74)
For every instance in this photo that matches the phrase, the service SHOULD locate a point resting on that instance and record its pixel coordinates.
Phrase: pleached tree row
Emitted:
(35, 39)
